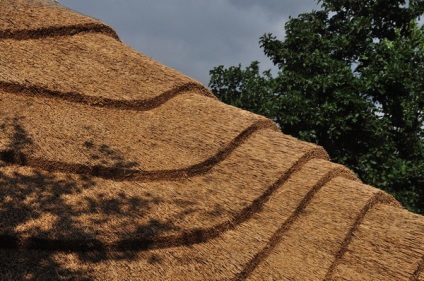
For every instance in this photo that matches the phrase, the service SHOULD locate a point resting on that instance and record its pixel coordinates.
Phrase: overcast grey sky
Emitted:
(193, 36)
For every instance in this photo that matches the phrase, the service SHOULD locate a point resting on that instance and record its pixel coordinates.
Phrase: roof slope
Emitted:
(115, 167)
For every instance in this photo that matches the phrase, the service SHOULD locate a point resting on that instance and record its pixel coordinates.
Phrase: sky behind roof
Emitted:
(193, 36)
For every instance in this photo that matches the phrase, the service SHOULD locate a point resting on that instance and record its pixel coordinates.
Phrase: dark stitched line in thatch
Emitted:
(191, 237)
(55, 31)
(420, 268)
(136, 105)
(123, 174)
(278, 235)
(378, 198)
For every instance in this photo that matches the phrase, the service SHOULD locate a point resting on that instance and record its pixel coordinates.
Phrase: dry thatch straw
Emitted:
(115, 167)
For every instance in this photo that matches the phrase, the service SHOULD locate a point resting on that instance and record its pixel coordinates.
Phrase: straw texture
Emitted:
(115, 167)
(23, 19)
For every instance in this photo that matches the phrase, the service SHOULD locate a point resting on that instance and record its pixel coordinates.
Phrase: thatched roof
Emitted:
(115, 167)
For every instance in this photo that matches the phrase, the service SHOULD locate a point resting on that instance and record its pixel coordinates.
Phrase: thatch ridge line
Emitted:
(379, 197)
(55, 31)
(278, 235)
(123, 174)
(75, 97)
(418, 271)
(190, 237)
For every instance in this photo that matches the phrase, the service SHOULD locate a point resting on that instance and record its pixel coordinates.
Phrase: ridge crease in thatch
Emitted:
(135, 105)
(56, 31)
(10, 156)
(264, 253)
(87, 66)
(420, 269)
(378, 198)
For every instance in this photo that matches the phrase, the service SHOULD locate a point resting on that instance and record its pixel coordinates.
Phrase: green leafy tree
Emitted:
(351, 78)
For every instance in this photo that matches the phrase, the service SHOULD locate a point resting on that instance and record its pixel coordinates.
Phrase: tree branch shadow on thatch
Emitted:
(28, 194)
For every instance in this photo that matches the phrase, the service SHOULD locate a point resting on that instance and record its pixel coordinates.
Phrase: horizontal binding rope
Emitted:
(56, 31)
(122, 174)
(191, 237)
(75, 97)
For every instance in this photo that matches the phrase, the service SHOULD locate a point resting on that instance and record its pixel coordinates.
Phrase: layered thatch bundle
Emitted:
(115, 167)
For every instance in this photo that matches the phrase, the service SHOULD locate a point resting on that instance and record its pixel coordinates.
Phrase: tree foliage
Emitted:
(351, 78)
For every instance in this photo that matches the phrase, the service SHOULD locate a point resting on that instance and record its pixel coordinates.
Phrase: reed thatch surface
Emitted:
(32, 19)
(115, 167)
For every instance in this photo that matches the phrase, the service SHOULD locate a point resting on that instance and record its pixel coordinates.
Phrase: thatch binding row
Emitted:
(55, 31)
(417, 273)
(126, 174)
(274, 241)
(387, 245)
(378, 198)
(75, 97)
(96, 141)
(89, 64)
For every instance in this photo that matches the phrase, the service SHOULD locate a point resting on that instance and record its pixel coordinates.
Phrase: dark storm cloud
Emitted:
(279, 8)
(193, 36)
